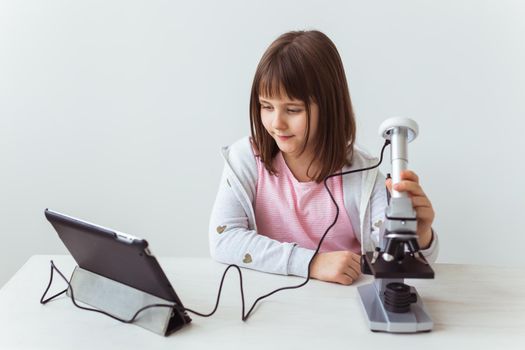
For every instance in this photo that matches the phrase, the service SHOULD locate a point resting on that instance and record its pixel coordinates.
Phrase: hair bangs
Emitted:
(282, 77)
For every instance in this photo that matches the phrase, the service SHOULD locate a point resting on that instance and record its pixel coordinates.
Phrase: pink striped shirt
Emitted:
(291, 211)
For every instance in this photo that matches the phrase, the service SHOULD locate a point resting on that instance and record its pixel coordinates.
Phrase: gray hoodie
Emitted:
(233, 232)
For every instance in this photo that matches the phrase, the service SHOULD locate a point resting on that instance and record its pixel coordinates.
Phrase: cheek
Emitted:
(301, 123)
(314, 120)
(266, 120)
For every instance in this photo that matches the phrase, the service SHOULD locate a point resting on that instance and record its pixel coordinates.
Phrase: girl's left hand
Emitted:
(425, 213)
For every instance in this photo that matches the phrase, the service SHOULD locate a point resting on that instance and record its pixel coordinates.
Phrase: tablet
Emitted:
(112, 254)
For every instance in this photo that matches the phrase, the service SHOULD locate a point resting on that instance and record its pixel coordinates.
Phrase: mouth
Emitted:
(284, 138)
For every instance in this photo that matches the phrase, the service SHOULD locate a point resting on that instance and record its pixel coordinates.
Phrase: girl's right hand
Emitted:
(342, 267)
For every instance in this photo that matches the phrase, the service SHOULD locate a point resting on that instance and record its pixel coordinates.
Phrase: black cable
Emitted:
(42, 301)
(219, 295)
(243, 316)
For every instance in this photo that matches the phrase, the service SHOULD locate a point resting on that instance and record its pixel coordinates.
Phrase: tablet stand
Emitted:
(123, 301)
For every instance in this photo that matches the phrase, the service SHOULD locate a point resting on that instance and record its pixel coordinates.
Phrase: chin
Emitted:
(287, 150)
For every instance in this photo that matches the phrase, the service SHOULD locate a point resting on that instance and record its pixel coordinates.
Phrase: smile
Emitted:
(284, 138)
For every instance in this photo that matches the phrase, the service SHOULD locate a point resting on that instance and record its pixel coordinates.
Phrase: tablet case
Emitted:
(116, 273)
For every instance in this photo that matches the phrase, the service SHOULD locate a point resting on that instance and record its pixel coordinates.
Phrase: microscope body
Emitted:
(398, 254)
(390, 304)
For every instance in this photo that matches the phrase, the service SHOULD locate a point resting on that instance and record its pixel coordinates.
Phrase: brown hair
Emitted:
(305, 65)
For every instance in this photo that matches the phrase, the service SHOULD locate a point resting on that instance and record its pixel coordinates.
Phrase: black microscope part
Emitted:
(397, 297)
(409, 267)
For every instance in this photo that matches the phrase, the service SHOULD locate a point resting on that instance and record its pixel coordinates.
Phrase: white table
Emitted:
(472, 306)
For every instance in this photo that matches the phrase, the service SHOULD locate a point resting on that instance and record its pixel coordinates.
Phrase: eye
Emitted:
(292, 111)
(269, 108)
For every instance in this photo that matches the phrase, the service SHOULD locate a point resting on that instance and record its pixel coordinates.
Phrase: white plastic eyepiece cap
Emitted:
(385, 129)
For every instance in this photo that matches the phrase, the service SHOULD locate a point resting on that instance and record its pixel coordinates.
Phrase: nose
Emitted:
(278, 121)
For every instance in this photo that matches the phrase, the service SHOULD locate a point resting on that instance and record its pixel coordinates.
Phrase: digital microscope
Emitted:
(389, 303)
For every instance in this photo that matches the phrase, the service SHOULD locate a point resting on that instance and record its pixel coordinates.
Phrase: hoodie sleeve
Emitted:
(233, 241)
(378, 204)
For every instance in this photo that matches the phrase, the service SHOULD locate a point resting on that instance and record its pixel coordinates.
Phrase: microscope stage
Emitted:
(410, 267)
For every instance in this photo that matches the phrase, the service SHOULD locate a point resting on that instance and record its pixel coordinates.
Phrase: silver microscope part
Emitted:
(400, 131)
(387, 257)
(420, 257)
(399, 157)
(380, 319)
(375, 256)
(401, 236)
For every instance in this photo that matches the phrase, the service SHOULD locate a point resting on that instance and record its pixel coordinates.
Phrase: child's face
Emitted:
(286, 120)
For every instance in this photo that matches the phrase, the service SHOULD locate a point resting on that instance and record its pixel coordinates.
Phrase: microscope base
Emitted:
(372, 299)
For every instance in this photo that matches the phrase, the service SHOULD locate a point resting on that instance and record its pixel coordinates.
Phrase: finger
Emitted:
(355, 263)
(353, 274)
(409, 175)
(353, 270)
(344, 279)
(425, 215)
(421, 202)
(356, 258)
(409, 186)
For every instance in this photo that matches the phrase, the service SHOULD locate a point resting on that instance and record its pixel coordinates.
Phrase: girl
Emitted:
(272, 208)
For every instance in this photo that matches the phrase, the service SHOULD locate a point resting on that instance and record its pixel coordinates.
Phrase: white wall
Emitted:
(114, 111)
